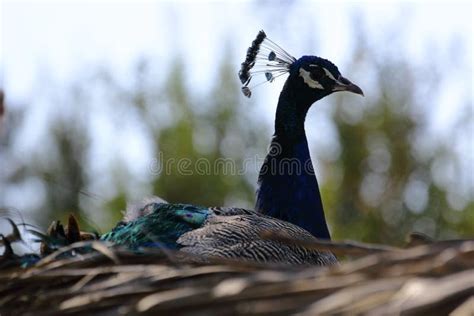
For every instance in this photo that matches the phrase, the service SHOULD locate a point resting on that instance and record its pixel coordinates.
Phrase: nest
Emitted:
(429, 279)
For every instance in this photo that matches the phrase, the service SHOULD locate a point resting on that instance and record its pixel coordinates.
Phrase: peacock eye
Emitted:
(316, 73)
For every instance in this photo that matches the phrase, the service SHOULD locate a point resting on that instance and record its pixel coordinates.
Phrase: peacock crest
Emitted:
(264, 57)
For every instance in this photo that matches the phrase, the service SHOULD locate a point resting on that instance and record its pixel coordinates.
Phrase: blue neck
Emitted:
(288, 188)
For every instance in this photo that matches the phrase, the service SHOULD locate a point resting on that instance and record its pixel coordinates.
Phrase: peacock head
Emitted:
(313, 77)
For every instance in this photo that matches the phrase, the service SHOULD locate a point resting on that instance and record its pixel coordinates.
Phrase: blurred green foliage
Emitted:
(378, 188)
(385, 186)
(224, 123)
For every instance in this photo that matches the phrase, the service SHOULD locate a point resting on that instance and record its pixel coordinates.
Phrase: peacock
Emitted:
(287, 185)
(287, 200)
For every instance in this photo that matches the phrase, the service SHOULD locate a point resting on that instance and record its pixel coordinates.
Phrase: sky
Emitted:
(57, 40)
(62, 38)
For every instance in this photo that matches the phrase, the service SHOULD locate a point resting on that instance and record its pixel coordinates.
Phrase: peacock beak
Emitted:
(343, 84)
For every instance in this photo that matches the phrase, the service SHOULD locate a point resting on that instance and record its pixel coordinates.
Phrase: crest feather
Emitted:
(264, 57)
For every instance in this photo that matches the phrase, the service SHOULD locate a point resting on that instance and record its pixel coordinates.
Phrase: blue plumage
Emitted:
(288, 188)
(292, 193)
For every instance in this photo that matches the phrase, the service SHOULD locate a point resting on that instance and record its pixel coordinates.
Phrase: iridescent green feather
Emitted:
(161, 228)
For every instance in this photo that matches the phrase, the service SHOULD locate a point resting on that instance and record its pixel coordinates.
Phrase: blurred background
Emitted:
(99, 95)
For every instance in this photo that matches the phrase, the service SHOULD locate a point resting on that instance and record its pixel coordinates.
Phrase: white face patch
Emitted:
(329, 74)
(310, 82)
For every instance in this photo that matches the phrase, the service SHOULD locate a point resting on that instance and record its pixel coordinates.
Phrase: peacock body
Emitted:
(223, 232)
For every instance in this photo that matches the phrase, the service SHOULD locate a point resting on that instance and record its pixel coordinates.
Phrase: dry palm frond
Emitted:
(432, 279)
